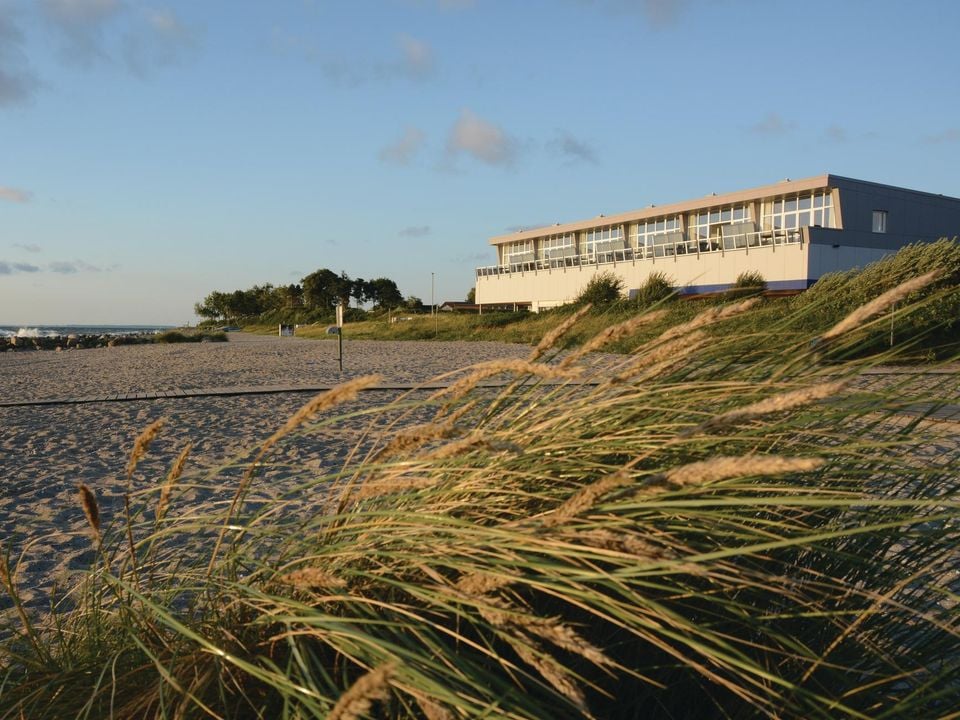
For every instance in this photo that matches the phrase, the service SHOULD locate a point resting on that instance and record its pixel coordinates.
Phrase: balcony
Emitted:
(668, 245)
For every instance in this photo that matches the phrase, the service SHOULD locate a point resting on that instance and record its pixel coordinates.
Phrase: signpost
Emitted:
(340, 333)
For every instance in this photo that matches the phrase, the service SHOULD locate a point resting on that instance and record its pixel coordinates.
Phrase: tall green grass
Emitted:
(687, 530)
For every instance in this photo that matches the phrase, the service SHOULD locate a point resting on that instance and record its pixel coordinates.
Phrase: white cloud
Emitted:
(405, 148)
(13, 194)
(482, 140)
(29, 247)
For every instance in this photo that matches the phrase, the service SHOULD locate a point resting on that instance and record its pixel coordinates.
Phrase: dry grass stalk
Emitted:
(91, 510)
(416, 437)
(471, 442)
(778, 403)
(876, 306)
(708, 317)
(482, 371)
(586, 497)
(612, 334)
(175, 472)
(345, 392)
(356, 702)
(722, 468)
(553, 672)
(663, 359)
(480, 583)
(500, 613)
(623, 543)
(312, 578)
(551, 338)
(142, 444)
(432, 710)
(389, 484)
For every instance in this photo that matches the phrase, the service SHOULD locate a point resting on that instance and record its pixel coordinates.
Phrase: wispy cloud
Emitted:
(12, 194)
(29, 247)
(161, 40)
(771, 124)
(658, 14)
(481, 140)
(8, 268)
(414, 60)
(72, 267)
(836, 133)
(416, 57)
(950, 135)
(572, 149)
(405, 148)
(17, 81)
(81, 24)
(416, 231)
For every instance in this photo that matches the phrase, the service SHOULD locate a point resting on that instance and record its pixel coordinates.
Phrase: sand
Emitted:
(46, 450)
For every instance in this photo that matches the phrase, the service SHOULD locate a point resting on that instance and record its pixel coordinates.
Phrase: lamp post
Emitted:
(433, 307)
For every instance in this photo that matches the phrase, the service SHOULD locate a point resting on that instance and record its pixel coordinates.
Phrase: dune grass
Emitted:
(687, 530)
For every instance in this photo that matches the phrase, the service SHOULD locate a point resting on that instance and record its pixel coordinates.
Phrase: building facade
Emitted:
(792, 233)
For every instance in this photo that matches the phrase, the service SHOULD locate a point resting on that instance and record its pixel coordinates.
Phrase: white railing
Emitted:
(730, 243)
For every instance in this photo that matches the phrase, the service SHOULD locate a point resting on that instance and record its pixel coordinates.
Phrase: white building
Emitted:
(791, 233)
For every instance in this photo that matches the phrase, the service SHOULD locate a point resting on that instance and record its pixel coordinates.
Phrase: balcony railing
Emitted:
(600, 255)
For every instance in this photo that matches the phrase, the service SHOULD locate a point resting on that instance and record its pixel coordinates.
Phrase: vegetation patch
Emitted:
(690, 529)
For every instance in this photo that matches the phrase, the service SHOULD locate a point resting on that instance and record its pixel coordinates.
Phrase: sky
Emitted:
(152, 151)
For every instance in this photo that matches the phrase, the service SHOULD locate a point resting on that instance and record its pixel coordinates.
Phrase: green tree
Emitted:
(385, 294)
(321, 289)
(472, 295)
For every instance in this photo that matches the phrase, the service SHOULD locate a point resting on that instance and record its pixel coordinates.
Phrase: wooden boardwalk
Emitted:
(943, 412)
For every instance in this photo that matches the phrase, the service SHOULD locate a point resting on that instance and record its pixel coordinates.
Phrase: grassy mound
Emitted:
(686, 531)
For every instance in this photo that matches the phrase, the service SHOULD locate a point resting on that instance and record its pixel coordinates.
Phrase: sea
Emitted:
(36, 331)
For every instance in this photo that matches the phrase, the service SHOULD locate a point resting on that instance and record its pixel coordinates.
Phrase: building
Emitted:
(792, 233)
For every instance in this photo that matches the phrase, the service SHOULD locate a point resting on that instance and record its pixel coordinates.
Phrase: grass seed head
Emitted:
(312, 578)
(768, 406)
(722, 468)
(356, 702)
(142, 444)
(91, 510)
(345, 392)
(613, 334)
(586, 498)
(175, 472)
(551, 338)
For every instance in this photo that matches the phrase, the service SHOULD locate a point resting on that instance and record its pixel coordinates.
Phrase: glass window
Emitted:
(804, 201)
(790, 205)
(879, 221)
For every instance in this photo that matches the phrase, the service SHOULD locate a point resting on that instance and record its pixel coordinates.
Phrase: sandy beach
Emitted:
(46, 450)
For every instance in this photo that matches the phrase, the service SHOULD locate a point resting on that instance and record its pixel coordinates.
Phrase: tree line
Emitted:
(314, 297)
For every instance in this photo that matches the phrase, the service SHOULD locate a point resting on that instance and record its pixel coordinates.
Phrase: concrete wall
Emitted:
(782, 266)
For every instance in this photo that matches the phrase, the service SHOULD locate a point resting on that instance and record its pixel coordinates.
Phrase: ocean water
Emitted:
(64, 330)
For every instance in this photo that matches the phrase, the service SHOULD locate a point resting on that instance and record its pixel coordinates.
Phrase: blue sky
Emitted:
(153, 151)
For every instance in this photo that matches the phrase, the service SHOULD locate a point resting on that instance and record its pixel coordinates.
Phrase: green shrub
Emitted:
(655, 289)
(603, 290)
